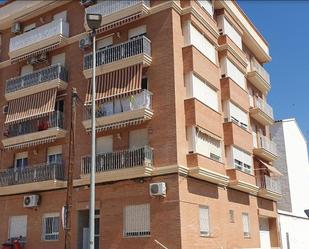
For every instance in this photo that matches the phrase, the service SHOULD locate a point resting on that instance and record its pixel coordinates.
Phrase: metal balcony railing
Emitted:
(40, 76)
(122, 105)
(118, 160)
(44, 172)
(52, 120)
(256, 66)
(108, 7)
(264, 107)
(269, 183)
(39, 34)
(267, 144)
(140, 45)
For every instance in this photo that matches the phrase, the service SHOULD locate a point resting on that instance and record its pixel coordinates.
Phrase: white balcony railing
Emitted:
(108, 7)
(266, 144)
(255, 66)
(118, 160)
(269, 183)
(44, 32)
(264, 107)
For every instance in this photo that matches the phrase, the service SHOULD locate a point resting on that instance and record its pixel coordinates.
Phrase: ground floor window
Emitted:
(136, 220)
(204, 221)
(51, 227)
(246, 225)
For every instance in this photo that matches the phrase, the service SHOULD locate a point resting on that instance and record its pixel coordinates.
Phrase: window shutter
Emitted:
(235, 74)
(18, 226)
(105, 144)
(239, 115)
(137, 220)
(246, 228)
(204, 221)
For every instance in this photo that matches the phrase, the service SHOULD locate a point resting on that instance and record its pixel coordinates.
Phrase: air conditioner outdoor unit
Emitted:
(16, 28)
(87, 3)
(31, 201)
(42, 57)
(85, 42)
(32, 60)
(157, 189)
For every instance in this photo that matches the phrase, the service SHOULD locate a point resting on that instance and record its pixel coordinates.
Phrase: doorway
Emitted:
(83, 229)
(264, 233)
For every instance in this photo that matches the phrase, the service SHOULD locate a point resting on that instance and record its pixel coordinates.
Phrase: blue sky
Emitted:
(284, 24)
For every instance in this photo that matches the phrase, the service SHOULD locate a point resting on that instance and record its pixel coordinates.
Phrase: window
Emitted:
(137, 220)
(54, 155)
(18, 226)
(138, 138)
(29, 27)
(105, 43)
(198, 40)
(246, 225)
(21, 160)
(236, 115)
(200, 90)
(207, 5)
(104, 144)
(201, 142)
(58, 59)
(225, 27)
(137, 32)
(240, 159)
(228, 69)
(204, 221)
(51, 227)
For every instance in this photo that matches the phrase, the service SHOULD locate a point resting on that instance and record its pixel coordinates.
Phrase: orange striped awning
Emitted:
(31, 106)
(116, 84)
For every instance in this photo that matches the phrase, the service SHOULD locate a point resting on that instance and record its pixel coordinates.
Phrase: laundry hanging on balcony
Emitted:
(123, 82)
(31, 106)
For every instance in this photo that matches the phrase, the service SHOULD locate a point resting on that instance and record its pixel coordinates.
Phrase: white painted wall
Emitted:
(298, 167)
(298, 232)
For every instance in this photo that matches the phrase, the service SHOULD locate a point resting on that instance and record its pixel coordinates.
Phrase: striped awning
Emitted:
(31, 106)
(116, 84)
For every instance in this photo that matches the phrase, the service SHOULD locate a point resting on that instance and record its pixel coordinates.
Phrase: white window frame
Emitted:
(204, 221)
(132, 214)
(52, 233)
(246, 225)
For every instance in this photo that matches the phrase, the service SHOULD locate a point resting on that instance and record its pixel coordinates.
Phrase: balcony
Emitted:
(34, 132)
(262, 112)
(116, 13)
(258, 76)
(129, 53)
(34, 178)
(119, 165)
(266, 149)
(269, 187)
(118, 113)
(39, 40)
(55, 76)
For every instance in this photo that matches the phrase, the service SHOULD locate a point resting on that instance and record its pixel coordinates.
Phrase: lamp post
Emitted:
(94, 22)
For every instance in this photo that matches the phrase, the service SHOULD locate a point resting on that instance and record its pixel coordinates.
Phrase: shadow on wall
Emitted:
(238, 197)
(202, 188)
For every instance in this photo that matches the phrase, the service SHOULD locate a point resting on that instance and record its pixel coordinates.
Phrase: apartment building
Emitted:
(181, 104)
(293, 163)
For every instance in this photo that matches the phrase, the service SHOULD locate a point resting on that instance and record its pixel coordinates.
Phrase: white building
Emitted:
(293, 164)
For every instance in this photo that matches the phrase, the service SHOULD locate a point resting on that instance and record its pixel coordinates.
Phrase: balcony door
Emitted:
(54, 155)
(21, 161)
(264, 233)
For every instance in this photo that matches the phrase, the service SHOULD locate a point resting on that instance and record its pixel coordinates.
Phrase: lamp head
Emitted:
(94, 21)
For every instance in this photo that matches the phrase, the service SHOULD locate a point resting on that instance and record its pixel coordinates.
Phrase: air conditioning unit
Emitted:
(86, 42)
(31, 201)
(42, 57)
(16, 28)
(157, 189)
(32, 60)
(87, 3)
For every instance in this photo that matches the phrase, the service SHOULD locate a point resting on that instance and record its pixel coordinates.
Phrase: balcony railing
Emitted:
(109, 7)
(269, 183)
(52, 120)
(267, 144)
(45, 172)
(127, 104)
(44, 32)
(118, 160)
(255, 66)
(264, 107)
(140, 45)
(40, 76)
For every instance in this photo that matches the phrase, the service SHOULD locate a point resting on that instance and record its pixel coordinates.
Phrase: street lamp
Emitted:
(94, 22)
